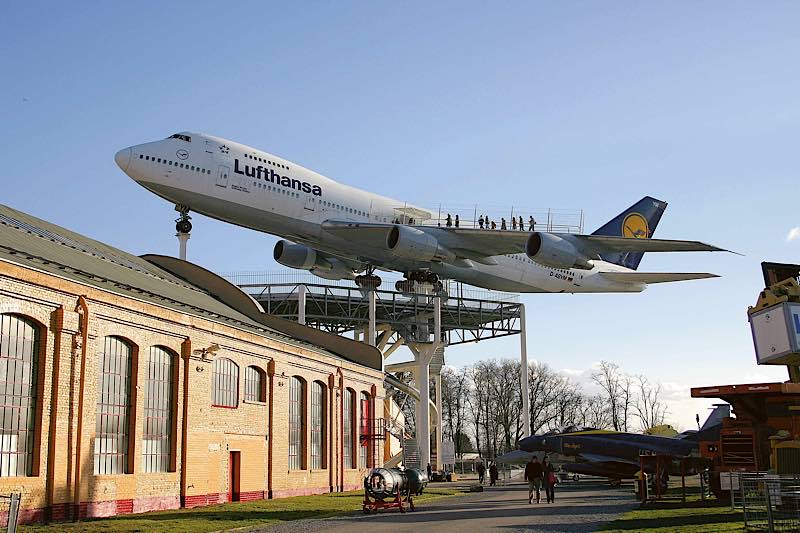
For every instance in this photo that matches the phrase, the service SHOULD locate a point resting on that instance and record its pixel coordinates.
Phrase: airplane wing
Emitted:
(473, 243)
(605, 244)
(597, 458)
(655, 277)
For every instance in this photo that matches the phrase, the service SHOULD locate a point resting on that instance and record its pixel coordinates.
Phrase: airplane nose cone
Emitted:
(123, 158)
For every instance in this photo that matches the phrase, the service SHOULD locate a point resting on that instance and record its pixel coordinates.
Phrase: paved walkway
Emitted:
(582, 506)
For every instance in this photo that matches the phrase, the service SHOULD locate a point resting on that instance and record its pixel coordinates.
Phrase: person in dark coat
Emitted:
(549, 480)
(533, 475)
(481, 473)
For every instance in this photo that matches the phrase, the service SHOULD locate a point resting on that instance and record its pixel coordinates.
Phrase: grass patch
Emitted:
(225, 516)
(694, 516)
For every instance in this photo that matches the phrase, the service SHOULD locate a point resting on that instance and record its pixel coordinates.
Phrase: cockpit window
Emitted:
(181, 137)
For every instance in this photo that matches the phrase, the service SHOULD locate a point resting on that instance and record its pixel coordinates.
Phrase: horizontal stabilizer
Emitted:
(655, 277)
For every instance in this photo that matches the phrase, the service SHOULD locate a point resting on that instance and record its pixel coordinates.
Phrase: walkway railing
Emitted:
(550, 220)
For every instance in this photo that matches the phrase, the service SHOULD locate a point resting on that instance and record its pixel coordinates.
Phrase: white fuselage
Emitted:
(238, 184)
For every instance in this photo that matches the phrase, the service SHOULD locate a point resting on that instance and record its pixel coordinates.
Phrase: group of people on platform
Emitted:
(538, 474)
(484, 222)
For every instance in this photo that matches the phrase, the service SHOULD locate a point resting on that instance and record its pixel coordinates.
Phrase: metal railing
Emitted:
(469, 216)
(770, 502)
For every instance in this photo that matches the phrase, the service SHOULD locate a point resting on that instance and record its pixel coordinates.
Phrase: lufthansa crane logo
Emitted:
(182, 154)
(635, 226)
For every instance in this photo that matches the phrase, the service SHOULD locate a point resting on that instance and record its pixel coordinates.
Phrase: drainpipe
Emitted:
(342, 444)
(83, 309)
(186, 354)
(271, 374)
(58, 320)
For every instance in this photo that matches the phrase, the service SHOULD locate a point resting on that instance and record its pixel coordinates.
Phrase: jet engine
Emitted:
(384, 483)
(556, 252)
(411, 243)
(294, 255)
(301, 256)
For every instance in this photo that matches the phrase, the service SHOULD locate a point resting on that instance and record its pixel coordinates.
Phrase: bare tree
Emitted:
(650, 409)
(615, 391)
(455, 391)
(596, 413)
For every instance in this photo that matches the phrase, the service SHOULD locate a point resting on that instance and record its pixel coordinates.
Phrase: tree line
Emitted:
(482, 403)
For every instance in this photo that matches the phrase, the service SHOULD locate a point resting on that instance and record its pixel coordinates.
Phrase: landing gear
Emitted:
(368, 280)
(419, 277)
(183, 223)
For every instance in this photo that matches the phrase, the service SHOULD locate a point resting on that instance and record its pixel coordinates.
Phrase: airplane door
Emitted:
(311, 203)
(222, 176)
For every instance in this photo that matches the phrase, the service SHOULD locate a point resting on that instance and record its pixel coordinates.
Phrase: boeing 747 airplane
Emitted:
(338, 232)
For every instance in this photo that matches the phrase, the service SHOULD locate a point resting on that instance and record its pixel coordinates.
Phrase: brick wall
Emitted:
(75, 319)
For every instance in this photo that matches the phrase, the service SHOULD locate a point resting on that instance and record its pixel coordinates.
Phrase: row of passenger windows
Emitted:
(174, 164)
(279, 190)
(255, 158)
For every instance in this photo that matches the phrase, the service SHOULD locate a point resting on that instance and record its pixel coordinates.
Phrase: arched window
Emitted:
(255, 385)
(112, 430)
(363, 450)
(19, 360)
(158, 415)
(349, 441)
(297, 426)
(225, 378)
(318, 420)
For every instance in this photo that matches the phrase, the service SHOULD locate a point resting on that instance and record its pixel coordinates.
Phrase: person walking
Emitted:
(531, 223)
(430, 473)
(521, 224)
(493, 474)
(533, 475)
(480, 222)
(494, 225)
(448, 221)
(513, 223)
(481, 473)
(456, 220)
(549, 480)
(503, 223)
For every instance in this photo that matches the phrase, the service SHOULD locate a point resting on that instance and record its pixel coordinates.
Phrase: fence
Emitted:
(770, 502)
(9, 512)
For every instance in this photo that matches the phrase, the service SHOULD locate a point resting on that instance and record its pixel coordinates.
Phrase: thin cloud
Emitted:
(793, 234)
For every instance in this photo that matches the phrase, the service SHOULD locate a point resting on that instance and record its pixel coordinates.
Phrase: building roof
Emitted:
(34, 243)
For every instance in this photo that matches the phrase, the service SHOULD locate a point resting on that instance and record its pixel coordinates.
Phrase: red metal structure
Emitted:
(767, 421)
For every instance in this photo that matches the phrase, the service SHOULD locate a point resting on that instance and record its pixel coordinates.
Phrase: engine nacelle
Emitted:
(553, 251)
(411, 243)
(294, 255)
(301, 256)
(333, 269)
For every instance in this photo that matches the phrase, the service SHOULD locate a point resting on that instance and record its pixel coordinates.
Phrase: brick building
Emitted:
(137, 383)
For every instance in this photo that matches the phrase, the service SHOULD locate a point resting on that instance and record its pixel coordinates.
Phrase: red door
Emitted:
(234, 467)
(366, 431)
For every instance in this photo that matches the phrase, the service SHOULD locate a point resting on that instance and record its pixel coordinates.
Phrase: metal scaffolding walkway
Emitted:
(423, 320)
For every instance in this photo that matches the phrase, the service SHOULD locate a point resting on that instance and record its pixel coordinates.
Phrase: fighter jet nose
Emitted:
(123, 158)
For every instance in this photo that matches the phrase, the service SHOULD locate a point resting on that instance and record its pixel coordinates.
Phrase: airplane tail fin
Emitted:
(639, 221)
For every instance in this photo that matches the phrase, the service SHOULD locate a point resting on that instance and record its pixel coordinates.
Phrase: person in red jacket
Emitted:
(533, 475)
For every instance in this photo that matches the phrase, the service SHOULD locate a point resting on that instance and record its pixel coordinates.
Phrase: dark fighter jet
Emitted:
(610, 454)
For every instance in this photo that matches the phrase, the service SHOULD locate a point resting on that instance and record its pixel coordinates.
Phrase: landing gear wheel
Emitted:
(183, 226)
(368, 281)
(431, 278)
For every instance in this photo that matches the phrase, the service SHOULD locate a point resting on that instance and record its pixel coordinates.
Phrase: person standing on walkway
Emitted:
(533, 475)
(549, 480)
(430, 472)
(493, 474)
(457, 221)
(481, 473)
(480, 221)
(531, 223)
(521, 224)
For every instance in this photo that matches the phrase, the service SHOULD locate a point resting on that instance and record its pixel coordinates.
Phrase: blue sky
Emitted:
(582, 105)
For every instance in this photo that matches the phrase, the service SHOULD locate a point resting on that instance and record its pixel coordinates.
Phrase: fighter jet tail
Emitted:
(639, 221)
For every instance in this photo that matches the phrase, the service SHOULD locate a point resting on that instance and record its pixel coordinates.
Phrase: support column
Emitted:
(183, 238)
(438, 465)
(301, 304)
(371, 327)
(523, 348)
(424, 412)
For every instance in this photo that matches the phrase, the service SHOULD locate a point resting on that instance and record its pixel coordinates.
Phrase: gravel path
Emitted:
(579, 507)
